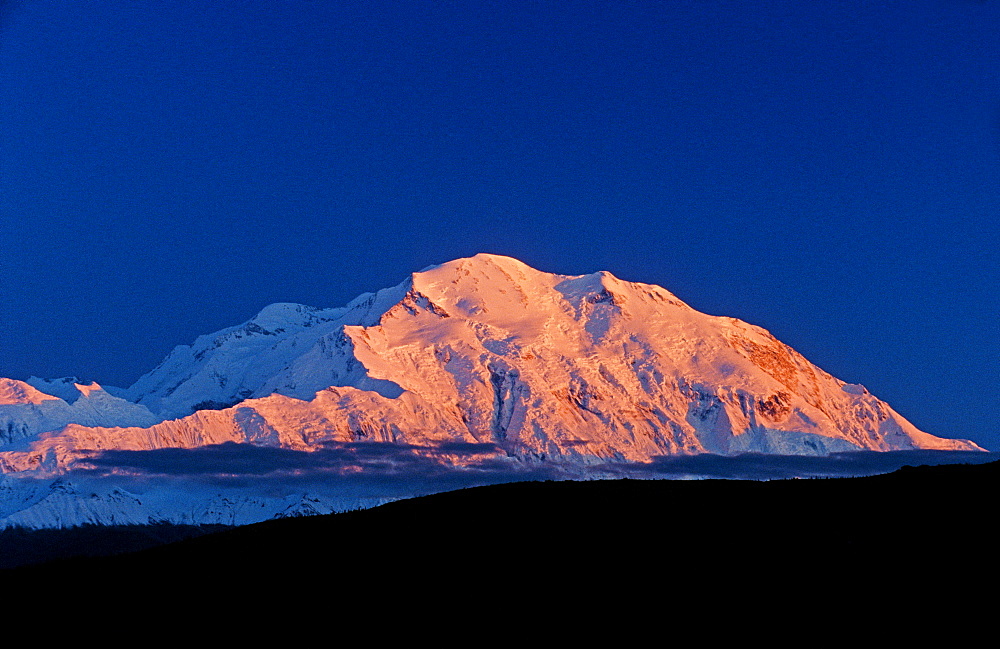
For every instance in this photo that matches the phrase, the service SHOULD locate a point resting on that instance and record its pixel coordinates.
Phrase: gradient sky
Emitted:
(829, 170)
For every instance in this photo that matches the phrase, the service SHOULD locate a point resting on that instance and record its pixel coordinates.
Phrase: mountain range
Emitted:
(477, 370)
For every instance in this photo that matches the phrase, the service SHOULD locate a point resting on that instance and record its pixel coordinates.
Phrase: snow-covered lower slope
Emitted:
(489, 351)
(58, 503)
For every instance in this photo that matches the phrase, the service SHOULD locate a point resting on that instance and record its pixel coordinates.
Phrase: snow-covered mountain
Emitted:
(489, 354)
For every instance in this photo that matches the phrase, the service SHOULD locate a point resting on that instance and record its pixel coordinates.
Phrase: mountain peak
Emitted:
(483, 266)
(88, 389)
(14, 392)
(275, 318)
(486, 259)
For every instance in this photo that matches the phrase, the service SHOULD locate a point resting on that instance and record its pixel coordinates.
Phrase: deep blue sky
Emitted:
(829, 170)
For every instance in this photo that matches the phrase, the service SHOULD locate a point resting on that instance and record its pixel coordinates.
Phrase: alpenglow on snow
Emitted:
(484, 353)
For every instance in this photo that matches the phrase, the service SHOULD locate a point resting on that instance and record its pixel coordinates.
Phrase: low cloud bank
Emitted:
(368, 467)
(757, 466)
(451, 465)
(231, 458)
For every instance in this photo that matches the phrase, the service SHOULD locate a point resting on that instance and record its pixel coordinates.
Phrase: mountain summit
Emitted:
(489, 353)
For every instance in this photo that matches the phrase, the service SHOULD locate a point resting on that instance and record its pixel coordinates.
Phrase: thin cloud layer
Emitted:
(391, 469)
(373, 461)
(756, 466)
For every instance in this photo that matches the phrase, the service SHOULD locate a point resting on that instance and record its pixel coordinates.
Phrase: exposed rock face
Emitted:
(487, 350)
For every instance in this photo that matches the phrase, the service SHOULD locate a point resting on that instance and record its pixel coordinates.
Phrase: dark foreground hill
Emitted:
(25, 547)
(922, 523)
